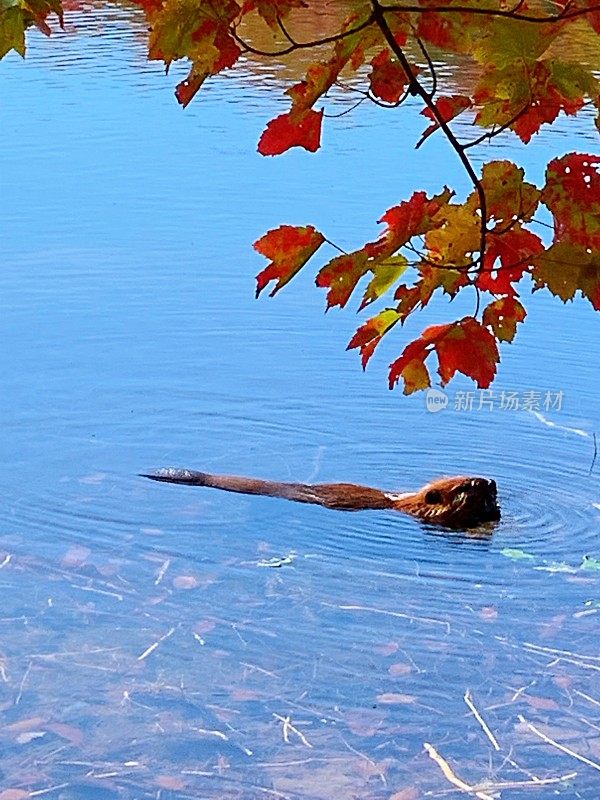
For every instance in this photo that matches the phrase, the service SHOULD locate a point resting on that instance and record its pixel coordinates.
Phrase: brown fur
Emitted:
(458, 502)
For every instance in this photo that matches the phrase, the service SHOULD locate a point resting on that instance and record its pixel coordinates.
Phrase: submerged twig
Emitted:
(155, 644)
(469, 701)
(22, 684)
(288, 727)
(161, 572)
(397, 614)
(587, 697)
(554, 651)
(450, 775)
(563, 748)
(497, 786)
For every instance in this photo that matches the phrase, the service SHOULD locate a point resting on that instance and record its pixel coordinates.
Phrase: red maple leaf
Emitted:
(368, 336)
(341, 275)
(289, 247)
(572, 193)
(388, 78)
(292, 130)
(465, 346)
(509, 255)
(414, 217)
(502, 316)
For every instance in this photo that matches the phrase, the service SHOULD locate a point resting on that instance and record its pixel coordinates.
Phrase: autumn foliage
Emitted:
(524, 68)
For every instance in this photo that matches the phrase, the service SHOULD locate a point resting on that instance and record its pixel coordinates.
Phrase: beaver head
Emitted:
(458, 502)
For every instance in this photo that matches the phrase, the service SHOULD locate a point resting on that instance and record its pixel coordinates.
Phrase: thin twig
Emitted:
(22, 684)
(416, 88)
(288, 727)
(489, 135)
(554, 651)
(155, 644)
(397, 614)
(489, 12)
(450, 775)
(337, 37)
(593, 459)
(427, 58)
(587, 697)
(469, 701)
(498, 786)
(563, 748)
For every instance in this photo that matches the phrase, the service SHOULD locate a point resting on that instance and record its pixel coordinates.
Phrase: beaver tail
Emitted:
(343, 496)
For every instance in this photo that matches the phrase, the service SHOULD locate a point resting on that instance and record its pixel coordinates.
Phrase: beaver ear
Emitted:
(433, 496)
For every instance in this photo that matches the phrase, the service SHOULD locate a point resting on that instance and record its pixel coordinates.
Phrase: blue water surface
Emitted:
(149, 646)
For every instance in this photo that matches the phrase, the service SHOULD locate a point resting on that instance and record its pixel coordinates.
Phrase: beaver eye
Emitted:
(433, 497)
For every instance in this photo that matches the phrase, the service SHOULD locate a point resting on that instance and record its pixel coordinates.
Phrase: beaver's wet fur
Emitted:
(452, 502)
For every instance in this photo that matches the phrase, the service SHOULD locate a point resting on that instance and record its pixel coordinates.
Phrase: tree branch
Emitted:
(490, 12)
(336, 37)
(417, 89)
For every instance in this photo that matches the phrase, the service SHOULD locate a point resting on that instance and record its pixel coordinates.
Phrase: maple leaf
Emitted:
(508, 195)
(320, 77)
(192, 29)
(289, 247)
(413, 217)
(566, 268)
(388, 79)
(526, 95)
(273, 10)
(301, 126)
(432, 278)
(510, 253)
(368, 335)
(453, 242)
(12, 30)
(409, 298)
(451, 281)
(448, 108)
(464, 346)
(411, 366)
(447, 31)
(508, 42)
(341, 275)
(186, 90)
(18, 15)
(292, 130)
(384, 277)
(502, 316)
(572, 193)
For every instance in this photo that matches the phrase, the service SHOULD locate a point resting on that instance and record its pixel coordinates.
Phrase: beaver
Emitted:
(453, 502)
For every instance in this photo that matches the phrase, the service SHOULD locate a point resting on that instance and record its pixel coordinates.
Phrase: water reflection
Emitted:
(147, 650)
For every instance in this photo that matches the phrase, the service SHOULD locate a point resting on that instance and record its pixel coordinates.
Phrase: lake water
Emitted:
(149, 647)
